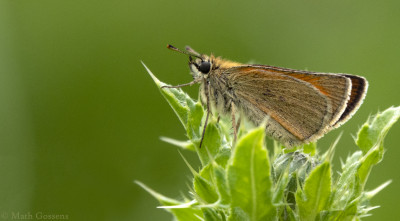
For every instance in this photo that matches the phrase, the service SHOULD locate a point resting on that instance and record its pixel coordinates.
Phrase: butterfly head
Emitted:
(199, 64)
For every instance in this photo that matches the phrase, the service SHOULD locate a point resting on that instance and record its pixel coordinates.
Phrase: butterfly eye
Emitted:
(204, 67)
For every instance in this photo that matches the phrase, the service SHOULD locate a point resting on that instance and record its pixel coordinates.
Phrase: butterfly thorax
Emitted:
(215, 84)
(219, 63)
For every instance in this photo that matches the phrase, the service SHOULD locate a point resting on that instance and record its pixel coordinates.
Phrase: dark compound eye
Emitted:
(204, 67)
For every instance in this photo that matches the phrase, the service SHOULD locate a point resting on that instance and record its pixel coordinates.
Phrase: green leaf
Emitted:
(196, 112)
(188, 111)
(310, 148)
(279, 189)
(317, 190)
(205, 189)
(175, 97)
(298, 165)
(375, 129)
(223, 156)
(212, 144)
(237, 214)
(358, 167)
(289, 214)
(278, 150)
(187, 145)
(279, 199)
(249, 177)
(370, 140)
(348, 185)
(222, 185)
(350, 212)
(211, 214)
(373, 157)
(372, 193)
(182, 212)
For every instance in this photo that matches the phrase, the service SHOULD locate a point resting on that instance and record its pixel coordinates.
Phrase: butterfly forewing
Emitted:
(281, 97)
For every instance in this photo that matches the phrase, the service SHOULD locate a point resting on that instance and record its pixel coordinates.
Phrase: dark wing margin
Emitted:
(357, 95)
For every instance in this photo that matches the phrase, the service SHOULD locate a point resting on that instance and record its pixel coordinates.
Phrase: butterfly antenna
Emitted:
(189, 52)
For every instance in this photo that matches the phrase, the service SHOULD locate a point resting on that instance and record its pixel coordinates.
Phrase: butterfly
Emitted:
(300, 106)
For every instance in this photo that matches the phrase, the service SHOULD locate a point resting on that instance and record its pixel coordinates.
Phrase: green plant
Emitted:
(248, 182)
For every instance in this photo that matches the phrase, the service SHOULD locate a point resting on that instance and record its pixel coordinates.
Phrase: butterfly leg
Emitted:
(206, 91)
(234, 126)
(182, 85)
(238, 124)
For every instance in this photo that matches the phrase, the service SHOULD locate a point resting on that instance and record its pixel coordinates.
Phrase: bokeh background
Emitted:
(80, 119)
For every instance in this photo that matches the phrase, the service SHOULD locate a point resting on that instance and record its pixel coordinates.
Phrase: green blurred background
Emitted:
(81, 119)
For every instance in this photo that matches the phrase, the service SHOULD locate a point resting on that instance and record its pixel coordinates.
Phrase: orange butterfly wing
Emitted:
(304, 103)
